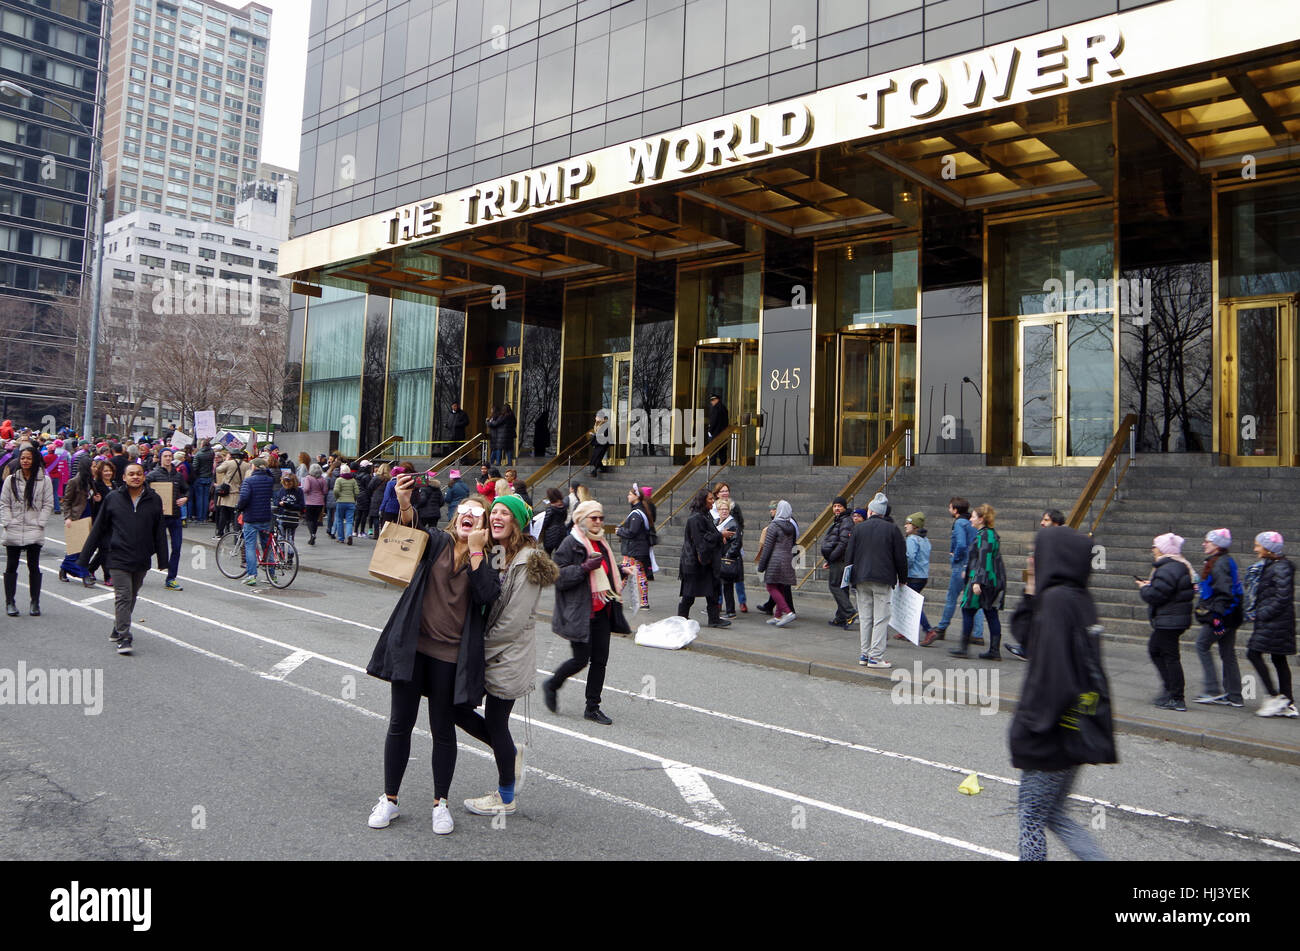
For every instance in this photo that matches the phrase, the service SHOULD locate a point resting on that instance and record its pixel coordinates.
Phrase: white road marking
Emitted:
(948, 767)
(99, 597)
(699, 796)
(288, 665)
(695, 824)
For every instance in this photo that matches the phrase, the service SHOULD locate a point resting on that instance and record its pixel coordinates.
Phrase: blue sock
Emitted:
(507, 793)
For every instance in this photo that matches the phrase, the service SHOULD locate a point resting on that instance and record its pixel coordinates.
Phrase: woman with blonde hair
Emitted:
(432, 646)
(510, 648)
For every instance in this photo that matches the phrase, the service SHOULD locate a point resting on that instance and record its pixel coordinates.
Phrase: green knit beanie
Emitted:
(518, 508)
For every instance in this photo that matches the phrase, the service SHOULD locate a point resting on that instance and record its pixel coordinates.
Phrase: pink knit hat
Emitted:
(1169, 543)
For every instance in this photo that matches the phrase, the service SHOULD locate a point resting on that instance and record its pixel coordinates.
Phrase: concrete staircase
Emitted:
(1155, 498)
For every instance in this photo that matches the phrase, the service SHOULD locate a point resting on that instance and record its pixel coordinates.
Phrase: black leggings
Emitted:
(313, 517)
(435, 679)
(12, 554)
(494, 730)
(1283, 673)
(224, 518)
(593, 651)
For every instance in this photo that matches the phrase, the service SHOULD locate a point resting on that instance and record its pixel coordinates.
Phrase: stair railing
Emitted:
(375, 452)
(562, 458)
(460, 452)
(878, 458)
(1127, 433)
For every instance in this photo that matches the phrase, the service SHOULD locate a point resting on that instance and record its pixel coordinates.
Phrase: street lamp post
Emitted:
(97, 171)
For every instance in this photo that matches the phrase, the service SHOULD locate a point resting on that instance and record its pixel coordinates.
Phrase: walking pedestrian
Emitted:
(229, 481)
(768, 606)
(722, 492)
(599, 444)
(985, 590)
(428, 501)
(834, 544)
(166, 471)
(388, 501)
(26, 502)
(103, 487)
(876, 559)
(374, 510)
(1057, 627)
(776, 562)
(364, 476)
(255, 502)
(588, 585)
(918, 560)
(510, 649)
(732, 565)
(345, 504)
(314, 488)
(635, 533)
(1168, 594)
(432, 646)
(718, 421)
(77, 505)
(457, 492)
(557, 514)
(1220, 613)
(699, 563)
(288, 502)
(130, 527)
(959, 543)
(1272, 583)
(201, 484)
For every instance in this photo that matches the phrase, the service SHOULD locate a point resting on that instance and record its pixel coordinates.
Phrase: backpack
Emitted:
(651, 536)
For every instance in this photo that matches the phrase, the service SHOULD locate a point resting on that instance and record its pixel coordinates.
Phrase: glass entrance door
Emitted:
(877, 376)
(621, 402)
(1065, 388)
(728, 367)
(1258, 391)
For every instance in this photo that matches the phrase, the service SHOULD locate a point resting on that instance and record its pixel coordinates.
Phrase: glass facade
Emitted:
(1010, 284)
(331, 378)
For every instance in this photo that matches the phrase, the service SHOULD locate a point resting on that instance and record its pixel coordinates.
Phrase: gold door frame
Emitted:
(744, 353)
(894, 334)
(1059, 374)
(1225, 344)
(620, 450)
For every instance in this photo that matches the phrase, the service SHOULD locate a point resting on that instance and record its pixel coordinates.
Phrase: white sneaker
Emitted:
(385, 811)
(442, 823)
(1288, 711)
(786, 619)
(489, 805)
(771, 620)
(521, 768)
(1271, 707)
(880, 664)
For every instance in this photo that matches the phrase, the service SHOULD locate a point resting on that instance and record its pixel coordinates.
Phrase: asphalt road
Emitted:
(244, 727)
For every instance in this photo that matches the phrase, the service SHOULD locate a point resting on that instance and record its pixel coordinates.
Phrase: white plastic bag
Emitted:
(672, 633)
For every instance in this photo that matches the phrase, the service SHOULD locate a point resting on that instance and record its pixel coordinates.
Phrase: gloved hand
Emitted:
(592, 563)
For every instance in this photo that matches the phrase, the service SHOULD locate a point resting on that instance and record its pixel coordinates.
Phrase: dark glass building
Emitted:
(52, 48)
(1005, 226)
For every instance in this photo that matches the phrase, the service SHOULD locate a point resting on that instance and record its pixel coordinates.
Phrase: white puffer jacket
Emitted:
(23, 525)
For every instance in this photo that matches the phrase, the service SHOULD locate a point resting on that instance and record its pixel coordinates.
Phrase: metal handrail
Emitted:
(458, 453)
(1127, 432)
(562, 457)
(685, 472)
(372, 453)
(690, 497)
(878, 458)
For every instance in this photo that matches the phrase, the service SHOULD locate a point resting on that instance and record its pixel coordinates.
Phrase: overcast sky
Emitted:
(282, 127)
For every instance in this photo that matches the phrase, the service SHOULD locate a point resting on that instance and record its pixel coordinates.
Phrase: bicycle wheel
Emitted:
(230, 555)
(285, 568)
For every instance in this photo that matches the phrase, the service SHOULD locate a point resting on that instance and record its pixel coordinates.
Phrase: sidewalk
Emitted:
(810, 646)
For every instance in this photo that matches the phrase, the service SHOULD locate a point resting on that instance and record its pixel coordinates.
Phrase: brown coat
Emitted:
(229, 472)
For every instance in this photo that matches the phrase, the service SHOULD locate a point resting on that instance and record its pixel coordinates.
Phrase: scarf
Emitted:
(603, 588)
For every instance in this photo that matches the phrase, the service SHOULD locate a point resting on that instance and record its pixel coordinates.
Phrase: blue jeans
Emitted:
(251, 532)
(202, 495)
(174, 542)
(343, 512)
(955, 585)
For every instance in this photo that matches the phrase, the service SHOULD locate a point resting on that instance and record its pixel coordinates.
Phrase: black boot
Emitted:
(36, 597)
(63, 574)
(11, 609)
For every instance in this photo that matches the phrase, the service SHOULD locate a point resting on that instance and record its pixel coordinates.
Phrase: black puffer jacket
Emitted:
(836, 540)
(553, 530)
(1169, 596)
(1275, 608)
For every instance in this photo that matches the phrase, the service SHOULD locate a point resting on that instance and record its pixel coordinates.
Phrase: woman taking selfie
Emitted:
(510, 648)
(432, 646)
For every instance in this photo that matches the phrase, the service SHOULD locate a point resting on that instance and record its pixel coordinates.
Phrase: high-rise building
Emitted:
(1003, 225)
(186, 101)
(51, 49)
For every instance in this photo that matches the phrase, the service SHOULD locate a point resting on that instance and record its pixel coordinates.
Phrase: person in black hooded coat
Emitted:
(1057, 626)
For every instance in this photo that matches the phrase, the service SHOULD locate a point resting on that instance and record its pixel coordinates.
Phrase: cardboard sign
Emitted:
(165, 490)
(76, 534)
(180, 440)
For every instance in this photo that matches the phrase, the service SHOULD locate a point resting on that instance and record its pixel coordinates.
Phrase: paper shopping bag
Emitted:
(76, 534)
(397, 554)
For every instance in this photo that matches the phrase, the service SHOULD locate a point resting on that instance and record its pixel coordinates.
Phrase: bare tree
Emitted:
(194, 366)
(130, 330)
(262, 362)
